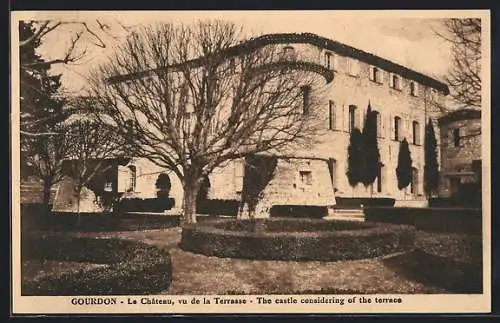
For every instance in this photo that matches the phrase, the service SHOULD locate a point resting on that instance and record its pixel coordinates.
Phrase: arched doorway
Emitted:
(163, 185)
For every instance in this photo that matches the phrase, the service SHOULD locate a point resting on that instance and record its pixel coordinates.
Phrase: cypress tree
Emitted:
(404, 168)
(370, 148)
(431, 170)
(355, 158)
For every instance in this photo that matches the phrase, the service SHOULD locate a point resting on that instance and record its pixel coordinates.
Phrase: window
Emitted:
(352, 67)
(416, 133)
(375, 74)
(413, 88)
(352, 117)
(328, 60)
(108, 187)
(289, 53)
(331, 115)
(397, 128)
(306, 97)
(456, 137)
(132, 178)
(239, 173)
(395, 82)
(379, 178)
(305, 177)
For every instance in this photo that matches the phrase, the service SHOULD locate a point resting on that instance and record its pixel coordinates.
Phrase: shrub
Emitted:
(346, 202)
(109, 222)
(218, 207)
(132, 267)
(159, 204)
(354, 241)
(429, 219)
(301, 211)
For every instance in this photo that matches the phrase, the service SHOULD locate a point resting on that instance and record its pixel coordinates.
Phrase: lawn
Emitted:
(198, 274)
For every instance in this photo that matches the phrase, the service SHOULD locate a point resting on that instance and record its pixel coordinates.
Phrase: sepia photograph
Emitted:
(250, 161)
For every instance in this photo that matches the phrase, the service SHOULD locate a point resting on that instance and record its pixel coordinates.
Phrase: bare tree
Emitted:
(36, 83)
(96, 33)
(94, 145)
(44, 155)
(464, 76)
(196, 98)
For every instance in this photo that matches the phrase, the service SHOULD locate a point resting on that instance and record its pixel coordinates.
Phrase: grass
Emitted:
(198, 274)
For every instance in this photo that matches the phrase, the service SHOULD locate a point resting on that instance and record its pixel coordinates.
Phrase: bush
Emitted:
(159, 204)
(218, 207)
(352, 240)
(356, 202)
(429, 219)
(61, 221)
(298, 211)
(132, 267)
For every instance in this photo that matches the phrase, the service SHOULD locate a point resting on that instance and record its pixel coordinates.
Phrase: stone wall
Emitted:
(459, 159)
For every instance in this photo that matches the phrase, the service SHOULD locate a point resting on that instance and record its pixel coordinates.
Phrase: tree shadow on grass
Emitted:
(453, 276)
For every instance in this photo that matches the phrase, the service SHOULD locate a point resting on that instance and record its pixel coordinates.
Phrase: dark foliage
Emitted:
(298, 211)
(259, 170)
(431, 167)
(458, 220)
(355, 161)
(218, 207)
(31, 220)
(159, 204)
(404, 168)
(458, 277)
(356, 202)
(370, 147)
(365, 241)
(132, 267)
(163, 185)
(203, 191)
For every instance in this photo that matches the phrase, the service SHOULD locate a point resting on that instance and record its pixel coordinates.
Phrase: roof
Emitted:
(457, 115)
(313, 39)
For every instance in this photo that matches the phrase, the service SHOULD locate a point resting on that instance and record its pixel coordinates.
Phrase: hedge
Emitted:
(453, 275)
(66, 221)
(218, 207)
(132, 267)
(466, 220)
(159, 204)
(298, 211)
(356, 202)
(252, 241)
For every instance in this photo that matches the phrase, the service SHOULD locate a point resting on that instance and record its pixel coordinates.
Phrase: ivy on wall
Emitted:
(259, 170)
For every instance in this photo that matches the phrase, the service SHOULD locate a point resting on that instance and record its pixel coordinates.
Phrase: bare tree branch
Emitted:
(195, 118)
(464, 76)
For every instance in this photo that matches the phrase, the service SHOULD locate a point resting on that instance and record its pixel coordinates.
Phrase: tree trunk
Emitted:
(189, 201)
(46, 195)
(78, 198)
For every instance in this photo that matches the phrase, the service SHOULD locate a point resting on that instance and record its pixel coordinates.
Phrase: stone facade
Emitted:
(303, 176)
(460, 133)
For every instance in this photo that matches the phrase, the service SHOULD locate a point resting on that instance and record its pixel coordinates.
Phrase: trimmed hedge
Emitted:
(352, 240)
(453, 275)
(218, 207)
(356, 202)
(466, 220)
(132, 267)
(61, 221)
(159, 204)
(298, 211)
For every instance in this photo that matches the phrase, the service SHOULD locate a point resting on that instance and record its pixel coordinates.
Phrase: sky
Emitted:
(409, 40)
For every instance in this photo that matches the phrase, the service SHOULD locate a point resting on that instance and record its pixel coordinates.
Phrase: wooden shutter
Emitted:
(123, 178)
